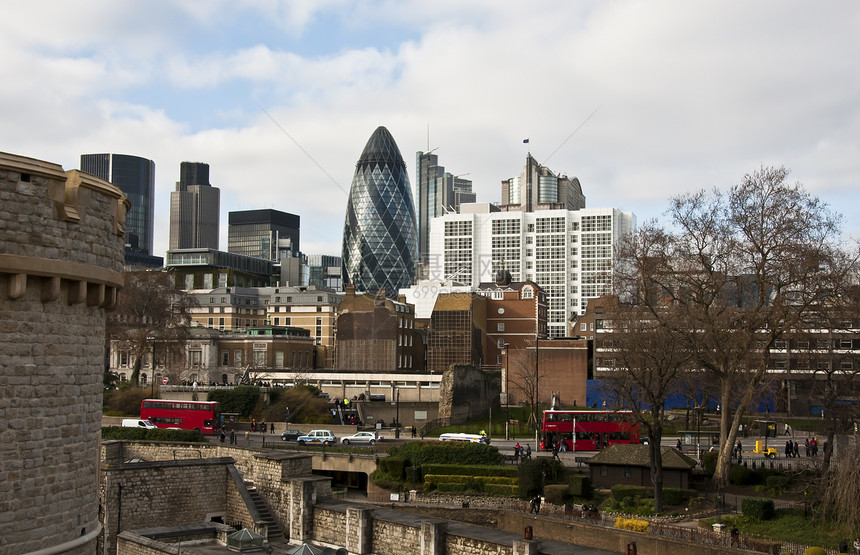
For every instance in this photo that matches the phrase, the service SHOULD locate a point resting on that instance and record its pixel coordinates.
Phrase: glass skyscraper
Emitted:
(135, 176)
(380, 241)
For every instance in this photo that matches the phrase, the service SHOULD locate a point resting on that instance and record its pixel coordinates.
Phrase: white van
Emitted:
(138, 423)
(472, 438)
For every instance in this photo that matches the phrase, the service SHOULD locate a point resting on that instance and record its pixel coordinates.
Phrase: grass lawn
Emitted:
(788, 525)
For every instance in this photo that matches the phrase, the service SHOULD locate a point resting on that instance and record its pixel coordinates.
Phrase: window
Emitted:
(846, 365)
(500, 327)
(225, 358)
(845, 343)
(583, 327)
(196, 356)
(123, 359)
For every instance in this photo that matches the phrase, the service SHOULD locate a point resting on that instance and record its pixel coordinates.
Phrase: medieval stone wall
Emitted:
(466, 393)
(61, 257)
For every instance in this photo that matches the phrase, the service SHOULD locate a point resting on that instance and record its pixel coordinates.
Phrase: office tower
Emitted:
(438, 193)
(135, 176)
(538, 188)
(194, 209)
(323, 272)
(569, 253)
(268, 234)
(380, 243)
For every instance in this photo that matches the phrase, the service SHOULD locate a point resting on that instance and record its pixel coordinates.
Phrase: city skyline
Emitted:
(638, 101)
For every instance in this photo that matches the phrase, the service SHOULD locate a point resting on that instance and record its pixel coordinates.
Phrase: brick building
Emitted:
(376, 334)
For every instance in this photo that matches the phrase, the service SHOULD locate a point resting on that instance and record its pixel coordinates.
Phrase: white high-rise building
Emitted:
(569, 253)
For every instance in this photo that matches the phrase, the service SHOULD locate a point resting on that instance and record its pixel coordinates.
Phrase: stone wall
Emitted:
(164, 493)
(466, 393)
(61, 257)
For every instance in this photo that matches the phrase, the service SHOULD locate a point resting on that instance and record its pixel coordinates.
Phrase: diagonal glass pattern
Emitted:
(380, 240)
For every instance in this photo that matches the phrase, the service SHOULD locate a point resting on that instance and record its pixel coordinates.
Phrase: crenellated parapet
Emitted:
(61, 231)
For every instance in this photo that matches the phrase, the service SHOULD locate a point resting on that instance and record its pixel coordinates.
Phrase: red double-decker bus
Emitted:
(200, 416)
(587, 430)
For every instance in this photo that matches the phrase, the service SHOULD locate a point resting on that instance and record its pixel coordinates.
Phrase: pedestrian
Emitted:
(253, 425)
(796, 450)
(517, 452)
(857, 545)
(678, 444)
(232, 436)
(223, 435)
(813, 445)
(843, 546)
(808, 449)
(736, 537)
(528, 451)
(789, 449)
(555, 451)
(536, 504)
(272, 428)
(413, 430)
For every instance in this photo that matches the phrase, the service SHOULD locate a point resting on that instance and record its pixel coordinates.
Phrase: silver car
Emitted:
(368, 438)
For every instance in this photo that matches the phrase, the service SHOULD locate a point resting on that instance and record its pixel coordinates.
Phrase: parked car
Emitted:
(291, 435)
(362, 437)
(326, 437)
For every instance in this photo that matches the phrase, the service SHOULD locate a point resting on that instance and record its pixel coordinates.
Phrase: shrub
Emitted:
(140, 434)
(501, 489)
(393, 466)
(709, 460)
(471, 469)
(557, 494)
(533, 473)
(420, 453)
(776, 482)
(677, 496)
(740, 475)
(815, 551)
(758, 507)
(580, 486)
(622, 491)
(125, 401)
(633, 524)
(241, 399)
(386, 481)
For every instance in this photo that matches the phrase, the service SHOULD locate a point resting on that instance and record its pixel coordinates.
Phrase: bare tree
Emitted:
(841, 484)
(152, 319)
(649, 357)
(739, 269)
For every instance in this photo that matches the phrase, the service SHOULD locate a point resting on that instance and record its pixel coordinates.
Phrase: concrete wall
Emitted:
(61, 257)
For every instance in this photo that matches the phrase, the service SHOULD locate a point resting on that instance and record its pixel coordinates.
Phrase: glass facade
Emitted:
(135, 176)
(380, 243)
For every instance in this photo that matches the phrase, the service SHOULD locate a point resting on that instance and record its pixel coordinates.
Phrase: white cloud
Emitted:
(690, 95)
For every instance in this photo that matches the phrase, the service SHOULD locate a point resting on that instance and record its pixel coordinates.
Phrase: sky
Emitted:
(639, 100)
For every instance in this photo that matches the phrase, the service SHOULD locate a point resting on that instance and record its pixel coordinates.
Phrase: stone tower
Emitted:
(61, 259)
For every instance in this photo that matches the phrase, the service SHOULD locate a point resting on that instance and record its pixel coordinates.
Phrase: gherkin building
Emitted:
(380, 239)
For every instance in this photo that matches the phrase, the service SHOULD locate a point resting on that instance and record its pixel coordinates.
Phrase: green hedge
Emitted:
(776, 482)
(677, 496)
(463, 478)
(394, 466)
(758, 507)
(709, 460)
(241, 399)
(557, 494)
(501, 489)
(580, 485)
(622, 491)
(421, 453)
(471, 469)
(139, 434)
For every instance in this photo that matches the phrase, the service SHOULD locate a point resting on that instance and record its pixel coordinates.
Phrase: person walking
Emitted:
(789, 449)
(796, 450)
(857, 545)
(272, 428)
(517, 452)
(555, 451)
(232, 436)
(528, 451)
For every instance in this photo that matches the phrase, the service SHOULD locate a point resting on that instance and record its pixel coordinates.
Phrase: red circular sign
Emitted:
(164, 380)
